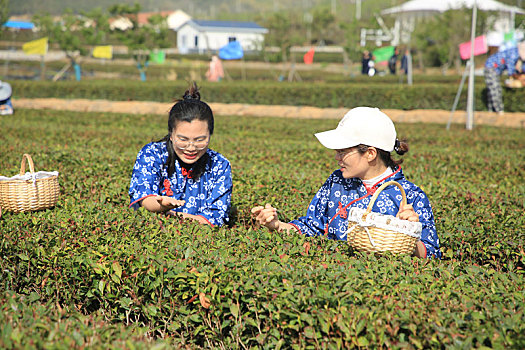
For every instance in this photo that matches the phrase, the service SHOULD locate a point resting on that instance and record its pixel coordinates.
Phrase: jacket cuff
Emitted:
(296, 227)
(138, 200)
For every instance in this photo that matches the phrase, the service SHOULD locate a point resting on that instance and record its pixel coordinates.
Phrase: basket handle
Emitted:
(381, 188)
(23, 165)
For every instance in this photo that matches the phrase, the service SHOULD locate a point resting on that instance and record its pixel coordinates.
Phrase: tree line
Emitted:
(434, 41)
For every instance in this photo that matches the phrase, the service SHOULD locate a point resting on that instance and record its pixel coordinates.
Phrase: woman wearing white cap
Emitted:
(363, 141)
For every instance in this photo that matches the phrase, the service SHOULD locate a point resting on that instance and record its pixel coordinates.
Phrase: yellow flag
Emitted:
(103, 51)
(35, 47)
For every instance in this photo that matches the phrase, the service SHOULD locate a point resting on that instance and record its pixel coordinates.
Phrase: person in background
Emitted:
(6, 107)
(372, 66)
(495, 65)
(404, 62)
(215, 71)
(179, 175)
(365, 62)
(519, 75)
(363, 142)
(392, 62)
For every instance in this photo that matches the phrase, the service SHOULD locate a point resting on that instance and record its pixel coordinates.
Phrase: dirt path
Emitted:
(515, 120)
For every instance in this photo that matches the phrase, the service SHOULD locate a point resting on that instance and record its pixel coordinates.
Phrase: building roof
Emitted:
(143, 17)
(19, 25)
(226, 25)
(123, 22)
(177, 19)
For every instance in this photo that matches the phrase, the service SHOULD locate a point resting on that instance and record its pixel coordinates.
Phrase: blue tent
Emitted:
(19, 25)
(232, 51)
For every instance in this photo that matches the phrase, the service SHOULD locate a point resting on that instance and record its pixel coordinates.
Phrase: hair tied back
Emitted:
(192, 93)
(397, 146)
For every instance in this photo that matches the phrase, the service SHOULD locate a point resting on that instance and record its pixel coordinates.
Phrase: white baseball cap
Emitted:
(361, 125)
(5, 90)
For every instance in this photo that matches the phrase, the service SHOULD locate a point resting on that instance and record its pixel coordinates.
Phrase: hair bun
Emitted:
(401, 147)
(192, 93)
(397, 145)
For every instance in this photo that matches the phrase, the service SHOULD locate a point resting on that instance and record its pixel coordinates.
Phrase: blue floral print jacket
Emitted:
(504, 60)
(328, 210)
(209, 196)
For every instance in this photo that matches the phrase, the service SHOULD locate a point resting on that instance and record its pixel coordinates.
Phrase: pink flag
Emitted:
(480, 47)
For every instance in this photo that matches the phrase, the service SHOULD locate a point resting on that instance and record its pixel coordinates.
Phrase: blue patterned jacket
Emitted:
(209, 196)
(503, 60)
(328, 210)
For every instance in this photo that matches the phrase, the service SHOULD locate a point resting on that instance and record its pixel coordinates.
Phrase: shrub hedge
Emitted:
(188, 68)
(92, 272)
(389, 96)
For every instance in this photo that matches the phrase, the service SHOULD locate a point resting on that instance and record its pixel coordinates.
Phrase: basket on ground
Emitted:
(29, 191)
(375, 232)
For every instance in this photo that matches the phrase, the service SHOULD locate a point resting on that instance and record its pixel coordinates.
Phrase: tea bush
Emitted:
(92, 272)
(434, 95)
(194, 67)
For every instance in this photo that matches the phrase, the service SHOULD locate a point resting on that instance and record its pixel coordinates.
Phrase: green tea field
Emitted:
(92, 273)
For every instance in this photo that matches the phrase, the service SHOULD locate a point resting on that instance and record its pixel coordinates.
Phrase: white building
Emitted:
(121, 23)
(174, 19)
(205, 36)
(177, 19)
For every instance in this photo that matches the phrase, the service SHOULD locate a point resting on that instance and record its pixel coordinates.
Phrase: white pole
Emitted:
(470, 97)
(358, 9)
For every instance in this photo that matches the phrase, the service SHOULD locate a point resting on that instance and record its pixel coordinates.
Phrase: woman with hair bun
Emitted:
(362, 141)
(179, 175)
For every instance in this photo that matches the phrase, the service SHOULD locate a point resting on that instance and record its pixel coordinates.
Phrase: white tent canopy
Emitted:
(409, 12)
(426, 6)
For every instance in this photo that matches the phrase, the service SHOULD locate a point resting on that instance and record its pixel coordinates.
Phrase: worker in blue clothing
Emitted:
(362, 141)
(179, 175)
(495, 65)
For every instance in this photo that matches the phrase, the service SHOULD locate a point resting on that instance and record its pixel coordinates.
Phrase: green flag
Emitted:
(157, 56)
(383, 54)
(508, 36)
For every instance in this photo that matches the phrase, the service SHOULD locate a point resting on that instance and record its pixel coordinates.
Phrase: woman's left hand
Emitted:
(407, 212)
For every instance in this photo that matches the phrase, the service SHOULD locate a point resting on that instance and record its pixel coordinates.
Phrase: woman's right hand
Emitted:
(161, 204)
(169, 202)
(266, 216)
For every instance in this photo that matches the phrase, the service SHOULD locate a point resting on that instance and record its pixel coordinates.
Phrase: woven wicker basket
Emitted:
(29, 191)
(379, 233)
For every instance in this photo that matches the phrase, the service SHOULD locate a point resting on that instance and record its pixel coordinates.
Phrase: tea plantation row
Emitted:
(93, 273)
(317, 94)
(195, 68)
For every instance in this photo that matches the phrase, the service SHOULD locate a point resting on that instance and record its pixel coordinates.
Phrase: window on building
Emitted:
(196, 41)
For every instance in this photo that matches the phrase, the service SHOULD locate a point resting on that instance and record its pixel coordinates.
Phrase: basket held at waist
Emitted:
(387, 222)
